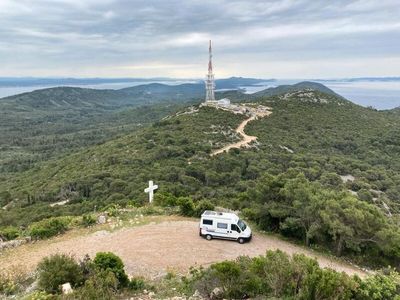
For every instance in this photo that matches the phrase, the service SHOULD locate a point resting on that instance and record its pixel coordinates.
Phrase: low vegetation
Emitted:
(274, 275)
(49, 227)
(278, 276)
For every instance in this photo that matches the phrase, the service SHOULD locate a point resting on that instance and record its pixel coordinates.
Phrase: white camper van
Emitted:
(221, 225)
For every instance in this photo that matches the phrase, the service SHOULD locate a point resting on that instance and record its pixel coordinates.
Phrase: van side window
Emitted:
(222, 225)
(207, 222)
(235, 228)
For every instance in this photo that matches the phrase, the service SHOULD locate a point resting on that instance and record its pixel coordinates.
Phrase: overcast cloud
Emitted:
(279, 39)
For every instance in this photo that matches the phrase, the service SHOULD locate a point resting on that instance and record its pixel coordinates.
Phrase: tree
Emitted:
(305, 201)
(351, 222)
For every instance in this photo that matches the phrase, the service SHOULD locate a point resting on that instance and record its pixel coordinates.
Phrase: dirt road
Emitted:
(152, 250)
(246, 139)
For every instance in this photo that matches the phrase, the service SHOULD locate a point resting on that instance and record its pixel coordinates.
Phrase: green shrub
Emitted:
(14, 280)
(329, 284)
(136, 284)
(228, 275)
(108, 261)
(102, 285)
(9, 233)
(380, 286)
(88, 220)
(165, 199)
(365, 195)
(56, 270)
(7, 285)
(276, 275)
(112, 210)
(202, 206)
(274, 270)
(39, 295)
(152, 210)
(49, 227)
(186, 206)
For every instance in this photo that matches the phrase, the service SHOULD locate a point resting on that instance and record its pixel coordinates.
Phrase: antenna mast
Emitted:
(210, 84)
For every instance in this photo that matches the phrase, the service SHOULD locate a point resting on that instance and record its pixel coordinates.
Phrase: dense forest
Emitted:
(323, 171)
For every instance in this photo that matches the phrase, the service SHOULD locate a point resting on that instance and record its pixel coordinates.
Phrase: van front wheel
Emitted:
(241, 240)
(208, 237)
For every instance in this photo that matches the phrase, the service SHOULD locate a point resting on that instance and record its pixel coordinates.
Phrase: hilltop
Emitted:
(49, 123)
(301, 86)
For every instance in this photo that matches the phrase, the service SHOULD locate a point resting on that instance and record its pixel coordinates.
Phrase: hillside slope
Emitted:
(318, 159)
(48, 123)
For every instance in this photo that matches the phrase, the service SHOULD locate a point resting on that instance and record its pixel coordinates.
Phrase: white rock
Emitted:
(216, 293)
(102, 219)
(66, 288)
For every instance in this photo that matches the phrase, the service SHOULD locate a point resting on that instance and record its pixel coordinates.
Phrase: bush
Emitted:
(7, 285)
(9, 233)
(274, 270)
(39, 295)
(186, 206)
(152, 210)
(14, 280)
(88, 220)
(279, 276)
(165, 199)
(112, 210)
(49, 227)
(228, 274)
(102, 285)
(108, 261)
(380, 286)
(136, 284)
(202, 206)
(329, 284)
(56, 270)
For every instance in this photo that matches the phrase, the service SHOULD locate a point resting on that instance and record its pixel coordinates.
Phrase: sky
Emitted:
(264, 39)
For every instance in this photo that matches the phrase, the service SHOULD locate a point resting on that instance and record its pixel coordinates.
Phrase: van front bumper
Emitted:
(248, 239)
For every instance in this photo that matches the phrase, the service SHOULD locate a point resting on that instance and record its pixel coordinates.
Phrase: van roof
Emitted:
(222, 215)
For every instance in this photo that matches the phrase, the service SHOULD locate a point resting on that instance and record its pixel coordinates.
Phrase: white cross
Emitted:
(152, 187)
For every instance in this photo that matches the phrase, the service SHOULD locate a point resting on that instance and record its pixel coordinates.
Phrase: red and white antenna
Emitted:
(210, 84)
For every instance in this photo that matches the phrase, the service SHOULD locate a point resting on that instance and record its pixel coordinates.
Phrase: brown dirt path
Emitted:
(152, 250)
(246, 139)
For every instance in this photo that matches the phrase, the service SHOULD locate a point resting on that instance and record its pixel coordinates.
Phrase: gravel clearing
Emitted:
(154, 249)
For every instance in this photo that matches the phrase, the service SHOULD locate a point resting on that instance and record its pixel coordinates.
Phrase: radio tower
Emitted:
(210, 85)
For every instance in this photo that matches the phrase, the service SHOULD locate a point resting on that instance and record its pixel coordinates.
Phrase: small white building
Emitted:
(225, 102)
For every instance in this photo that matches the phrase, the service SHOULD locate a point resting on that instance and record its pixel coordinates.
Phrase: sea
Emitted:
(380, 94)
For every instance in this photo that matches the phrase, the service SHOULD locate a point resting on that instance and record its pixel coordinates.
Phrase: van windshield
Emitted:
(242, 225)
